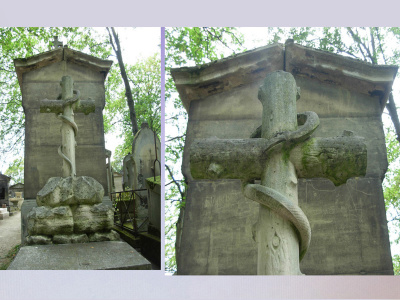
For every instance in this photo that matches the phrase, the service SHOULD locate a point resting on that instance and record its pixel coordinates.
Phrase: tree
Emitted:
(145, 81)
(16, 171)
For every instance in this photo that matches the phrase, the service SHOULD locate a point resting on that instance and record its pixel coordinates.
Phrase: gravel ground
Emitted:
(10, 233)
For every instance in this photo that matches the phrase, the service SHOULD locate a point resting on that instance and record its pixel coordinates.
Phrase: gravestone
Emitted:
(144, 162)
(16, 188)
(39, 78)
(4, 189)
(117, 180)
(348, 222)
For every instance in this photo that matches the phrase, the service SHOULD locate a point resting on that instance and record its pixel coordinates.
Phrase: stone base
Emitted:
(151, 248)
(87, 256)
(27, 206)
(4, 213)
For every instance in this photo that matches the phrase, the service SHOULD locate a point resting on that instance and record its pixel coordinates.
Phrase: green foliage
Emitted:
(391, 185)
(16, 171)
(145, 81)
(396, 264)
(5, 263)
(198, 45)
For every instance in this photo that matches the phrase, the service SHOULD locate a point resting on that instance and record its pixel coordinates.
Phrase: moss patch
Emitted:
(6, 261)
(153, 182)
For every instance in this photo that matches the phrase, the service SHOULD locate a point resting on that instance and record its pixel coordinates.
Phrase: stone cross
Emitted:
(64, 109)
(57, 43)
(282, 153)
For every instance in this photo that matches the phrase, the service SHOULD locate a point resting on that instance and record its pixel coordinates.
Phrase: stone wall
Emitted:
(349, 228)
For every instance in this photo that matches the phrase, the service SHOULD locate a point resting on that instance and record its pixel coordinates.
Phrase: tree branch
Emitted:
(175, 138)
(175, 181)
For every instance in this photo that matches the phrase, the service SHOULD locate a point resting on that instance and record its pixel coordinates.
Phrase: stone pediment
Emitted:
(323, 67)
(17, 186)
(24, 65)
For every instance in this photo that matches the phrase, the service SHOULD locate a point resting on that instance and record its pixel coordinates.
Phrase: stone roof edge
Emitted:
(19, 183)
(23, 65)
(196, 70)
(343, 61)
(3, 175)
(201, 74)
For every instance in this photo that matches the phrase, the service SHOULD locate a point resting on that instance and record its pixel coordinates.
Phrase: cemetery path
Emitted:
(10, 233)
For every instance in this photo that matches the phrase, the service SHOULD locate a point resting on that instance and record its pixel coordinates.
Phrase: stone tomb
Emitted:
(70, 209)
(39, 78)
(348, 223)
(144, 162)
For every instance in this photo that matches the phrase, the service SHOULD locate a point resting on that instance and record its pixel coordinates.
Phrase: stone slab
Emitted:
(4, 215)
(87, 256)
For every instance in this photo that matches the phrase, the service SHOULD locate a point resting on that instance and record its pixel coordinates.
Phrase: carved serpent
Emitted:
(274, 200)
(72, 124)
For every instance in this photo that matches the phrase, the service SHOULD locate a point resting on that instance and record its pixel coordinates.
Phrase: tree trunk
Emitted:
(391, 107)
(128, 92)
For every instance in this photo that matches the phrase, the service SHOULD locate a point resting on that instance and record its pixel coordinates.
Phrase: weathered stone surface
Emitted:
(214, 235)
(89, 219)
(70, 191)
(87, 190)
(336, 158)
(103, 236)
(70, 238)
(44, 220)
(144, 162)
(88, 256)
(39, 78)
(38, 240)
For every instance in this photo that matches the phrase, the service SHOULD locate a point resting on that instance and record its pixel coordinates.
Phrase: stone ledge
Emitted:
(88, 256)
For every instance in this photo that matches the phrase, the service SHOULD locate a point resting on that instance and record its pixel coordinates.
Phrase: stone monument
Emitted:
(39, 77)
(70, 208)
(283, 153)
(348, 222)
(70, 211)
